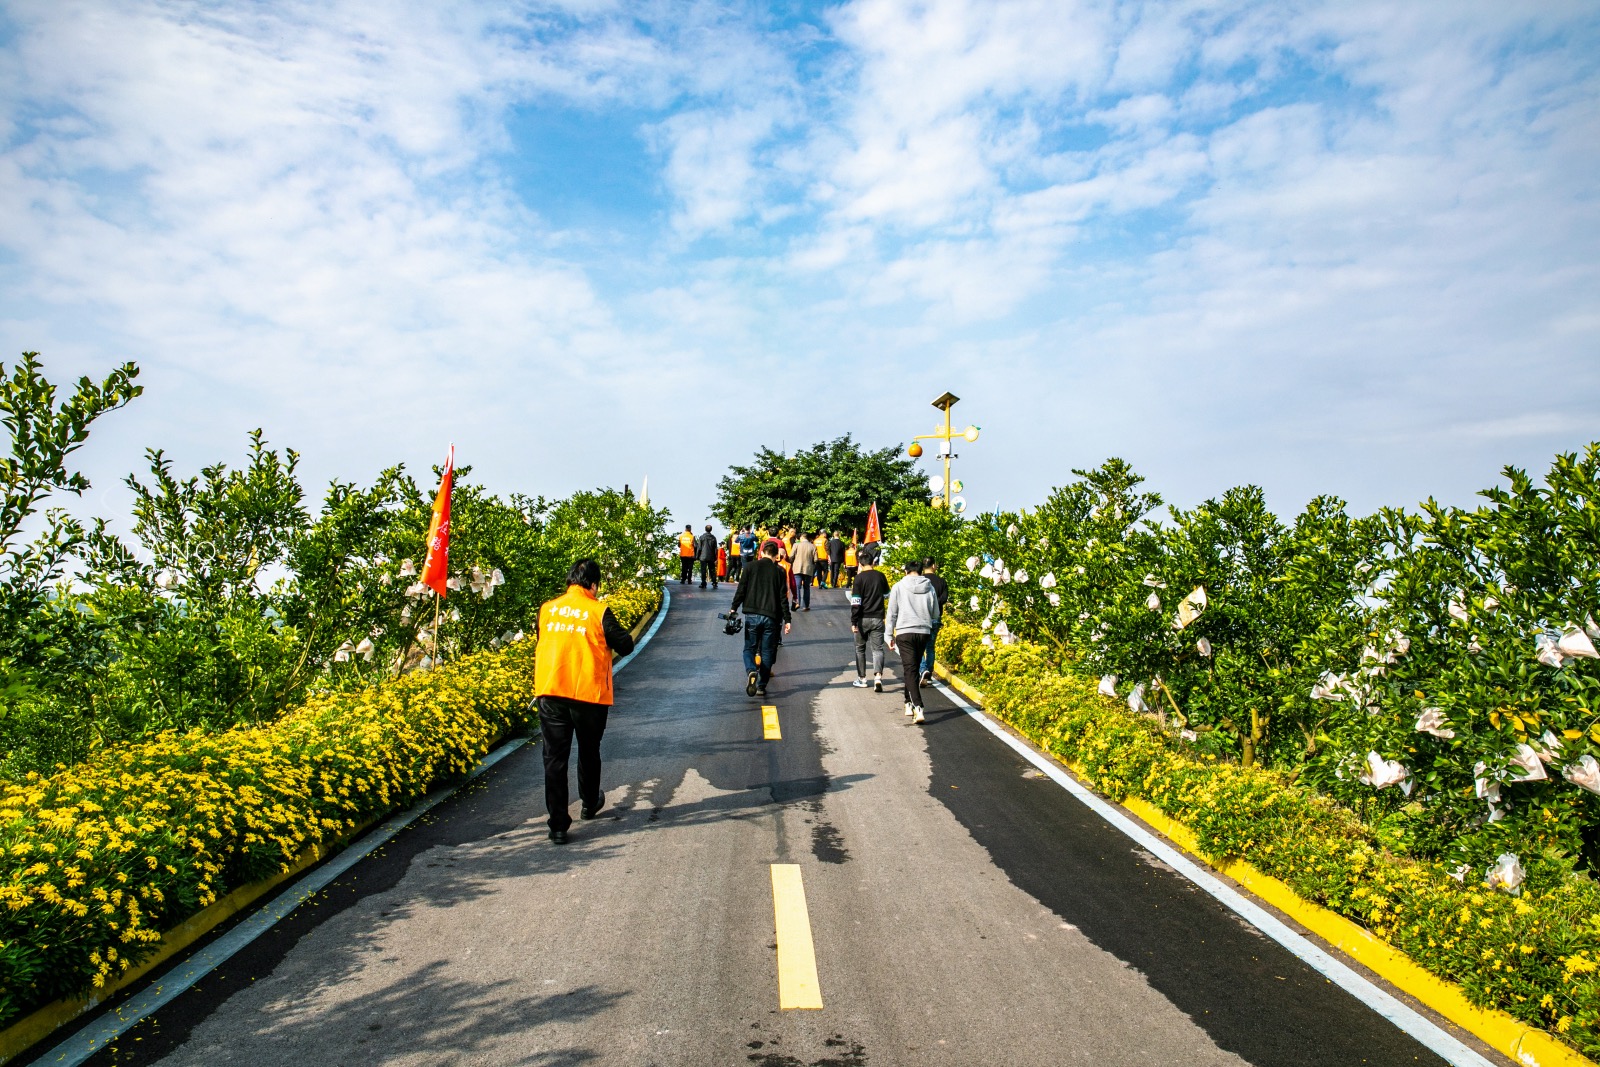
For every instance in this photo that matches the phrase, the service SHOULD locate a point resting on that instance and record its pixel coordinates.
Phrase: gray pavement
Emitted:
(964, 911)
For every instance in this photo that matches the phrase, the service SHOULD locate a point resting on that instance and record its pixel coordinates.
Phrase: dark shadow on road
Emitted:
(425, 1012)
(1252, 996)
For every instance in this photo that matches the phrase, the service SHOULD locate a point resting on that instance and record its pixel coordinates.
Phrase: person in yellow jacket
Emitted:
(686, 554)
(572, 683)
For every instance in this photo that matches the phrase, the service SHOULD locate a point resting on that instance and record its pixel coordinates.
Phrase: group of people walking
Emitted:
(824, 559)
(705, 550)
(578, 636)
(905, 618)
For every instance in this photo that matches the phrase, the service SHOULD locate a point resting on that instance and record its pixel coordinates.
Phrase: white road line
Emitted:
(91, 1039)
(1424, 1030)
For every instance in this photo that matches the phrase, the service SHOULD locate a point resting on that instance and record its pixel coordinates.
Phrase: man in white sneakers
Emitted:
(913, 615)
(867, 596)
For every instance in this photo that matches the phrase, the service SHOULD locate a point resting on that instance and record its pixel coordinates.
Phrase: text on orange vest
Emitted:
(573, 660)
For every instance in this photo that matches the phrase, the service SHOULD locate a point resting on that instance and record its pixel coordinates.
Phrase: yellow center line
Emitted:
(769, 723)
(798, 987)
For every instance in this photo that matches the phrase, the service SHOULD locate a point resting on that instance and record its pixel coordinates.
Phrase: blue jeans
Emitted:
(802, 590)
(761, 635)
(927, 657)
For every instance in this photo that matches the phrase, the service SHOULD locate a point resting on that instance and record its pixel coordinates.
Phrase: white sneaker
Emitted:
(917, 719)
(861, 683)
(911, 709)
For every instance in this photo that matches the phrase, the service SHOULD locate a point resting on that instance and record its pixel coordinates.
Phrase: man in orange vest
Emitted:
(686, 553)
(572, 681)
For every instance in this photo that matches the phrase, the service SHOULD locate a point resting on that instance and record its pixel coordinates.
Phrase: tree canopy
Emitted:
(829, 485)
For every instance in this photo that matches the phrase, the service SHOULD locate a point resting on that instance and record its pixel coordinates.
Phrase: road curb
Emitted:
(1503, 1032)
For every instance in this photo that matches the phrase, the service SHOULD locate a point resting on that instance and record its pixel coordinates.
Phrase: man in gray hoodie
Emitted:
(913, 614)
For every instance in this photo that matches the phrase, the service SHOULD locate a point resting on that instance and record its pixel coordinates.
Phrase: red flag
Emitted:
(435, 569)
(873, 533)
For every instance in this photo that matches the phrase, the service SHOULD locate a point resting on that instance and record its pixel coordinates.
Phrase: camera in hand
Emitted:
(731, 622)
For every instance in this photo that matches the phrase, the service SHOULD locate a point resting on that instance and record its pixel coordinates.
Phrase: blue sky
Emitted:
(1347, 247)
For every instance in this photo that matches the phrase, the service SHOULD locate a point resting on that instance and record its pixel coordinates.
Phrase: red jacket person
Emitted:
(572, 681)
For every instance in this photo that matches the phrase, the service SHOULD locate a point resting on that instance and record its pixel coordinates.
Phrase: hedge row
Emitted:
(1534, 955)
(101, 859)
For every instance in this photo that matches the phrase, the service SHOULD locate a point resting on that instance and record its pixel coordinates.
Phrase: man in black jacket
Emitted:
(835, 558)
(706, 552)
(867, 598)
(764, 593)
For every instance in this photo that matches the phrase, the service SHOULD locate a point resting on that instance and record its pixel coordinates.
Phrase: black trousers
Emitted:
(833, 574)
(688, 569)
(735, 567)
(911, 647)
(559, 721)
(708, 569)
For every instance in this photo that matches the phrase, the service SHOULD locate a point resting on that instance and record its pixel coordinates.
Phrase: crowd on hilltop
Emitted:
(824, 559)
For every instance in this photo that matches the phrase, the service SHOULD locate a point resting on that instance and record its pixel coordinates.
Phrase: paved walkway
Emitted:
(963, 910)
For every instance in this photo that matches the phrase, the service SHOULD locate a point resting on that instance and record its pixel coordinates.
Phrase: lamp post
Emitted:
(947, 435)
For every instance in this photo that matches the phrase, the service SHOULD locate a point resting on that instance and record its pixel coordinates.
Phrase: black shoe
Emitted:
(877, 685)
(751, 684)
(589, 813)
(761, 692)
(702, 585)
(558, 837)
(927, 677)
(806, 608)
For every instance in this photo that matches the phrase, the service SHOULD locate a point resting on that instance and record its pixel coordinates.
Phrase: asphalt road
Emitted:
(964, 910)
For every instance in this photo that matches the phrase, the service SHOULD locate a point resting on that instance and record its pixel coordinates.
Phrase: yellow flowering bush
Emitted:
(632, 603)
(1535, 956)
(101, 858)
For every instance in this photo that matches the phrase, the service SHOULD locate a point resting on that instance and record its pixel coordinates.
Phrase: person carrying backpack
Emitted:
(913, 613)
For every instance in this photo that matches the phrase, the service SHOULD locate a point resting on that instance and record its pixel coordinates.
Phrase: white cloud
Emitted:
(1304, 234)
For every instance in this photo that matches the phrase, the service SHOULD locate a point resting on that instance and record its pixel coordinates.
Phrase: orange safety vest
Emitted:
(573, 660)
(686, 544)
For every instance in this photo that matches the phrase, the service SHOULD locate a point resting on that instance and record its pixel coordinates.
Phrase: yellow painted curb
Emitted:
(955, 682)
(641, 626)
(35, 1027)
(1515, 1038)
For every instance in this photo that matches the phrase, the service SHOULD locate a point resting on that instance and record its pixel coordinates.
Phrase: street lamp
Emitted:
(948, 434)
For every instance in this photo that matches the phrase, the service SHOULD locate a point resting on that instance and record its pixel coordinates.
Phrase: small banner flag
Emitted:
(874, 534)
(435, 570)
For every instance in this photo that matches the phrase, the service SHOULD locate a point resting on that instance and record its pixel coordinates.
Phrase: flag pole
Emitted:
(438, 602)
